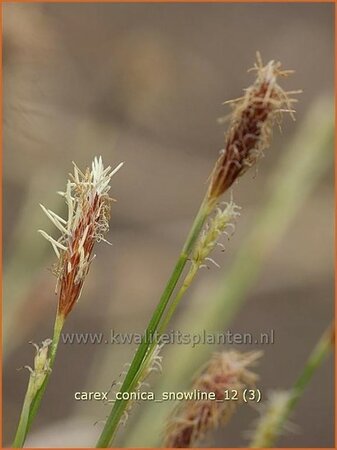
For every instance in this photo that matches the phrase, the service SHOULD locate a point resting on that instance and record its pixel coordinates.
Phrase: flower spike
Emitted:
(89, 206)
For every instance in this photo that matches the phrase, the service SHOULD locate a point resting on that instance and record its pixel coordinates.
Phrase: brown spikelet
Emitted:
(251, 123)
(193, 419)
(75, 261)
(89, 206)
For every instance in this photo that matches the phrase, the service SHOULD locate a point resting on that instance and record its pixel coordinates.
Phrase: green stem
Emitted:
(33, 398)
(21, 431)
(161, 328)
(173, 306)
(135, 369)
(319, 353)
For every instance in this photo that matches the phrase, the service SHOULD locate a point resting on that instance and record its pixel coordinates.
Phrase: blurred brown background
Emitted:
(144, 83)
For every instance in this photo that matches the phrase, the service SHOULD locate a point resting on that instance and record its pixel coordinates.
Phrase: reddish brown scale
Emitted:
(89, 204)
(70, 285)
(243, 138)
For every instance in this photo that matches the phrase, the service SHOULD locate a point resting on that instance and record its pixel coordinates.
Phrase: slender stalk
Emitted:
(318, 354)
(133, 374)
(22, 428)
(33, 397)
(161, 328)
(173, 306)
(152, 346)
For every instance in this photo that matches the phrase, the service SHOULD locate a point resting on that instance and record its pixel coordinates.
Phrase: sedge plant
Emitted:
(89, 205)
(308, 156)
(249, 134)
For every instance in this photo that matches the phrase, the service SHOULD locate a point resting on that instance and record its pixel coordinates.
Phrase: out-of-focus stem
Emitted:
(318, 354)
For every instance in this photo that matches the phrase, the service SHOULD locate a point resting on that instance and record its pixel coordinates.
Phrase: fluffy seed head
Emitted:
(192, 420)
(270, 425)
(251, 123)
(89, 205)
